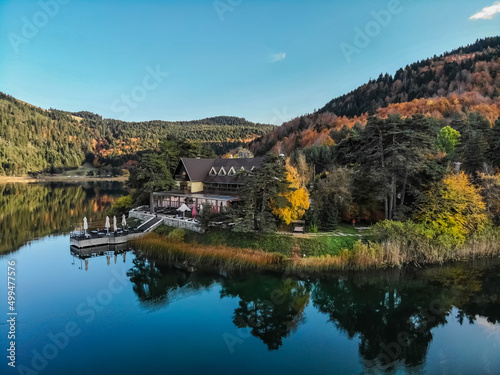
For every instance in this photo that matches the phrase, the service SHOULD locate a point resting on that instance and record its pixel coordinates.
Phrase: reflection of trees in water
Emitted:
(378, 313)
(377, 309)
(476, 290)
(29, 211)
(272, 308)
(157, 284)
(394, 318)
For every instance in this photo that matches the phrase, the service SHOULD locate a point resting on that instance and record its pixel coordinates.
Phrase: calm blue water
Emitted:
(139, 316)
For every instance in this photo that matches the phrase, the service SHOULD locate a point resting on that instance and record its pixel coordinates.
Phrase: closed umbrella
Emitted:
(124, 221)
(115, 228)
(85, 225)
(194, 213)
(107, 223)
(183, 209)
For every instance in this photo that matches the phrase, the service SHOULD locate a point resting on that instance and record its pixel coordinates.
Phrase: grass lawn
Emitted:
(285, 244)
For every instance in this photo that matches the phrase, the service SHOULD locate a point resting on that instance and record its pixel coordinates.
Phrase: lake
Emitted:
(120, 313)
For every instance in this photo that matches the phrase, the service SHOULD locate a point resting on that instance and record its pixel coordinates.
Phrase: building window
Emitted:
(222, 171)
(213, 172)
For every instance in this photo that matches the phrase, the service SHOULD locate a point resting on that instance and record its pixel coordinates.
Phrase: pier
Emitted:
(104, 238)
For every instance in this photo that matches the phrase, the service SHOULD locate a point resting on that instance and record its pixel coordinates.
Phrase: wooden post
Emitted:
(151, 203)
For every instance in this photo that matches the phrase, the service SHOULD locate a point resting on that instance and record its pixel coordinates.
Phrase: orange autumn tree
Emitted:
(297, 197)
(454, 210)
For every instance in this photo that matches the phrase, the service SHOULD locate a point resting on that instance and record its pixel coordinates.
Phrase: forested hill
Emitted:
(36, 140)
(456, 83)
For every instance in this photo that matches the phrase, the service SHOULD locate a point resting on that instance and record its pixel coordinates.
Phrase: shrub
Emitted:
(177, 235)
(122, 205)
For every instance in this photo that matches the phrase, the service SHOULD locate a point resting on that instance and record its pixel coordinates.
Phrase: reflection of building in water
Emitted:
(99, 251)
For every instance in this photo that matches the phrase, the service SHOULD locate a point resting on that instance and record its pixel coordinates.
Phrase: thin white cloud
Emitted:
(487, 13)
(278, 57)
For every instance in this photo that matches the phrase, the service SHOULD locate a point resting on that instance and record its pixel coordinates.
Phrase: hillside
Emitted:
(37, 140)
(452, 85)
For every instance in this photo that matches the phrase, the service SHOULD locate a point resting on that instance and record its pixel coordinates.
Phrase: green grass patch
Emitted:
(286, 245)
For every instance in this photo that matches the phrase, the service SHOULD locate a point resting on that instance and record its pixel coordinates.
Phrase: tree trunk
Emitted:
(151, 203)
(403, 190)
(392, 202)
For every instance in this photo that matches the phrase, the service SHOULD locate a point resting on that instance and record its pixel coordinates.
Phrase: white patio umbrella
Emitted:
(183, 209)
(124, 221)
(107, 223)
(85, 225)
(115, 228)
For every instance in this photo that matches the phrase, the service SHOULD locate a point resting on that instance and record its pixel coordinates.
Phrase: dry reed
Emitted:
(229, 257)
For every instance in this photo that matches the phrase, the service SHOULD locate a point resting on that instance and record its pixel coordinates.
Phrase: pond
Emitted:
(120, 313)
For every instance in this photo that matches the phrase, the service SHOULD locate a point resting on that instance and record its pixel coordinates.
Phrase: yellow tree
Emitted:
(454, 208)
(296, 199)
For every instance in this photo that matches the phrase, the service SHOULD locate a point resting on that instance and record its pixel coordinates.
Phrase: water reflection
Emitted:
(393, 319)
(392, 314)
(158, 284)
(108, 251)
(271, 307)
(29, 211)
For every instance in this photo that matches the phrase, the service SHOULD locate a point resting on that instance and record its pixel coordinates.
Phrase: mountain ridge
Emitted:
(33, 139)
(463, 80)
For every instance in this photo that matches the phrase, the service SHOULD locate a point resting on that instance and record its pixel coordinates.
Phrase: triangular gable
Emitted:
(231, 172)
(213, 172)
(196, 169)
(222, 171)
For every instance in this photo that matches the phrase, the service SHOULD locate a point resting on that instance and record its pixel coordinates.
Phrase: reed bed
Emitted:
(394, 252)
(401, 252)
(207, 255)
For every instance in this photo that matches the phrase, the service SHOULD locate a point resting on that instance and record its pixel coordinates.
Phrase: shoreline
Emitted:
(28, 179)
(361, 258)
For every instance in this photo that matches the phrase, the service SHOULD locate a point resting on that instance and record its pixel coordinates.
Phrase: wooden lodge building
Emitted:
(200, 181)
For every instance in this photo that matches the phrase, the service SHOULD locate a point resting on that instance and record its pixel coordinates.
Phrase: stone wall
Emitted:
(144, 216)
(177, 223)
(182, 224)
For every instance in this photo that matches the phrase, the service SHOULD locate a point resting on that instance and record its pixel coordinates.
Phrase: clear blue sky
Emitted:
(267, 61)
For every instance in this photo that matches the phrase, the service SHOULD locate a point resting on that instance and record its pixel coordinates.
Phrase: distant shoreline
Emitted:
(29, 179)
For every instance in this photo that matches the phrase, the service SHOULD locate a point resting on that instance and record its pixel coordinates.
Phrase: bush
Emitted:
(177, 235)
(122, 205)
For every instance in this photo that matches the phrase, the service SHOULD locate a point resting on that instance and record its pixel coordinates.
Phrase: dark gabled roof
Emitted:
(227, 164)
(197, 169)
